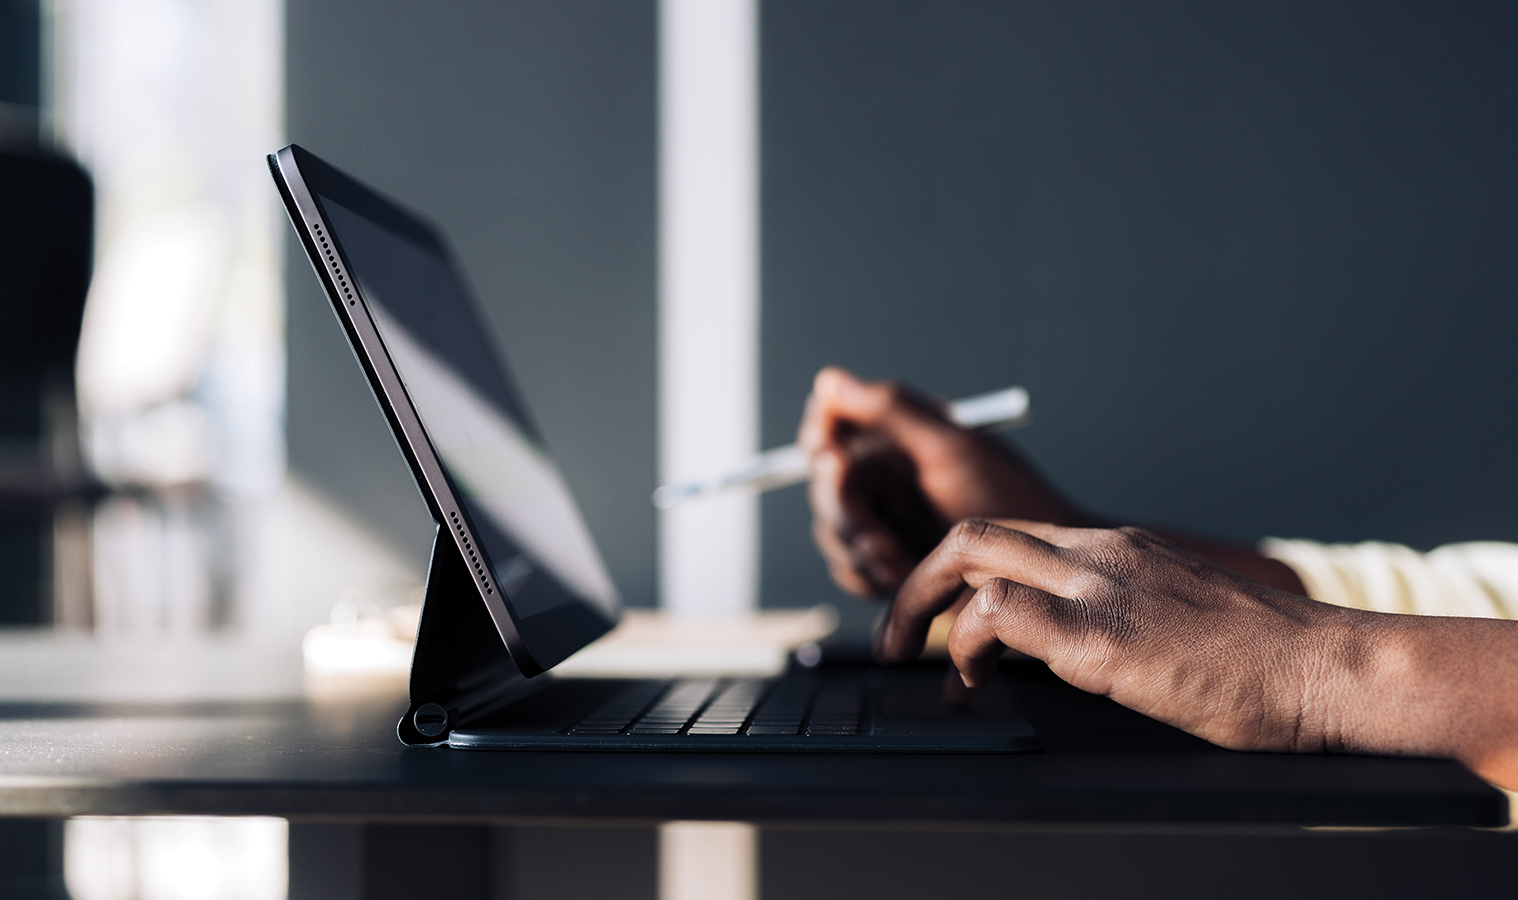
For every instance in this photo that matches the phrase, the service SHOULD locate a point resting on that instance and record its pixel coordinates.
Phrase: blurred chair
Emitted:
(46, 226)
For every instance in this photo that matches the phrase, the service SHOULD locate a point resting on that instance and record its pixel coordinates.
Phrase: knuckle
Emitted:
(1137, 538)
(966, 534)
(890, 393)
(1114, 541)
(983, 619)
(992, 600)
(1113, 556)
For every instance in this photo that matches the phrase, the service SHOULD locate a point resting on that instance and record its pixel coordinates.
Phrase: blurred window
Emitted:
(171, 106)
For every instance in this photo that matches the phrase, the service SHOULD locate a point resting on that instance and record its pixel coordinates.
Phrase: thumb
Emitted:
(1004, 613)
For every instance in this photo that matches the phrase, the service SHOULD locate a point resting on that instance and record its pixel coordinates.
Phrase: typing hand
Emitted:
(890, 474)
(1129, 615)
(1126, 614)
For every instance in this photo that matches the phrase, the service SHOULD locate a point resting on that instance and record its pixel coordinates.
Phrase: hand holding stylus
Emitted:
(788, 465)
(891, 471)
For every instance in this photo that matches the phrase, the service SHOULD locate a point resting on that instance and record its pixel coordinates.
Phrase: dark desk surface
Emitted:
(340, 759)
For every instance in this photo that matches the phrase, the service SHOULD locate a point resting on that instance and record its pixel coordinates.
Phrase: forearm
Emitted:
(1417, 686)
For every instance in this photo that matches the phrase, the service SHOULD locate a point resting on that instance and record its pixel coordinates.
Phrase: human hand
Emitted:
(890, 474)
(1131, 616)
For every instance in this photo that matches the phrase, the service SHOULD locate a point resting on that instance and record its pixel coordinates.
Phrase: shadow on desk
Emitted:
(551, 862)
(875, 864)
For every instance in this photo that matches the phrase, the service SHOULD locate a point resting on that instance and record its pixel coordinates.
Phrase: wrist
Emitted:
(1421, 686)
(1342, 656)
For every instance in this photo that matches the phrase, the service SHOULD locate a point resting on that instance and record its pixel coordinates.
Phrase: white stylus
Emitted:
(782, 466)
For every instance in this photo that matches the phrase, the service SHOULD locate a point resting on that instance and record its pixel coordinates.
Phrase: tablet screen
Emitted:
(541, 551)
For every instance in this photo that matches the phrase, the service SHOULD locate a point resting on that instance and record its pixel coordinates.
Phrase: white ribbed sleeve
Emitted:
(1474, 579)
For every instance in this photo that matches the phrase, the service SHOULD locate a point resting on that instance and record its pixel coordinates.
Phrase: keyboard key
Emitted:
(773, 729)
(792, 706)
(782, 711)
(675, 708)
(730, 708)
(618, 712)
(836, 711)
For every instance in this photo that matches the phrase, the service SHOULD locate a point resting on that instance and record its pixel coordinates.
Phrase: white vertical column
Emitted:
(708, 363)
(708, 298)
(708, 861)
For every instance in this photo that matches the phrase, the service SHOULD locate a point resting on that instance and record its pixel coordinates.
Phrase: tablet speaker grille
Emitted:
(471, 554)
(335, 267)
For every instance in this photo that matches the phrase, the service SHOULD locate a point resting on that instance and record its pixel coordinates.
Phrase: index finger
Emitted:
(907, 419)
(975, 552)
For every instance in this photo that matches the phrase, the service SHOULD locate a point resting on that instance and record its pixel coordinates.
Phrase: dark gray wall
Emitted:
(526, 131)
(20, 59)
(1256, 262)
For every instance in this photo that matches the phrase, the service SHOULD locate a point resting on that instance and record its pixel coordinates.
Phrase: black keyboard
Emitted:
(709, 706)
